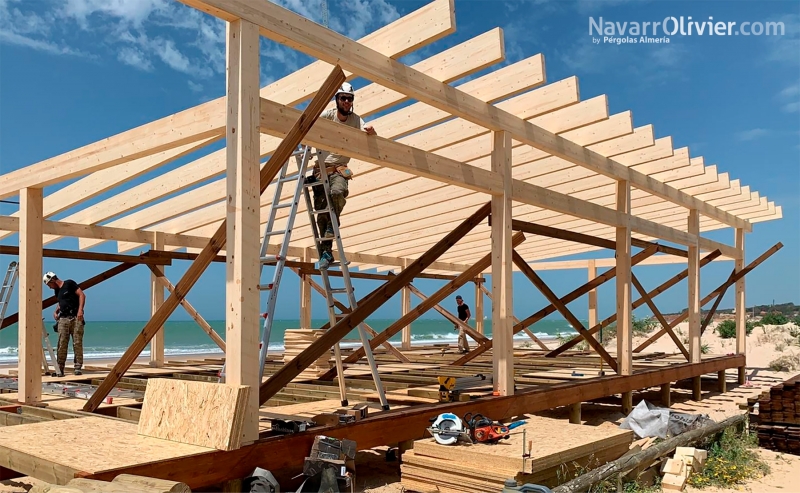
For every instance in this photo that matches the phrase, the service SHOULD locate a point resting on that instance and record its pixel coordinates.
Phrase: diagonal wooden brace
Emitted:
(477, 336)
(217, 241)
(562, 308)
(371, 303)
(720, 289)
(516, 321)
(568, 298)
(647, 299)
(636, 304)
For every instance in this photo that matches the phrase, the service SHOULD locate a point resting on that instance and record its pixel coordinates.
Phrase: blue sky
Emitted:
(76, 71)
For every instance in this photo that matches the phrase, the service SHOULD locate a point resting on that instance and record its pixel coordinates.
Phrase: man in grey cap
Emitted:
(463, 315)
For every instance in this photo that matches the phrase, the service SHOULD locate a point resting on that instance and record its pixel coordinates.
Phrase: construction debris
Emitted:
(685, 462)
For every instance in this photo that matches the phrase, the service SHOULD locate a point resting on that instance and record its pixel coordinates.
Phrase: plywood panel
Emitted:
(198, 413)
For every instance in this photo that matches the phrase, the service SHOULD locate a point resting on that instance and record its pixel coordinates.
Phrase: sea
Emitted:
(111, 339)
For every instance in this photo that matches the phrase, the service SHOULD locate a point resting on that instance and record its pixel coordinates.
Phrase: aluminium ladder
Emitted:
(342, 263)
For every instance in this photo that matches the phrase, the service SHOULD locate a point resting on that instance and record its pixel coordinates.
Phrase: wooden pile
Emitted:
(559, 450)
(124, 483)
(685, 462)
(294, 342)
(778, 420)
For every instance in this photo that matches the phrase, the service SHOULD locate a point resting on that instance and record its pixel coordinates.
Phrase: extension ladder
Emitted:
(48, 348)
(347, 289)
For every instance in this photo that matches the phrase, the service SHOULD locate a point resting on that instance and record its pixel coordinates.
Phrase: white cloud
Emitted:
(791, 98)
(752, 134)
(793, 107)
(785, 48)
(194, 86)
(132, 12)
(135, 58)
(30, 29)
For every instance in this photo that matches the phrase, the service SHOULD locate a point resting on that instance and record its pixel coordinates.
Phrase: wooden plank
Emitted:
(694, 289)
(365, 308)
(198, 413)
(623, 284)
(102, 257)
(242, 314)
(502, 273)
(30, 292)
(305, 293)
(478, 307)
(407, 424)
(563, 310)
(293, 30)
(268, 172)
(405, 307)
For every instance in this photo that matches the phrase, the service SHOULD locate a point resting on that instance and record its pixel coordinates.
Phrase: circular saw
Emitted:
(447, 428)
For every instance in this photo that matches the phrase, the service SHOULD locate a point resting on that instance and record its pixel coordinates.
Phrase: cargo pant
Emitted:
(463, 344)
(339, 193)
(70, 326)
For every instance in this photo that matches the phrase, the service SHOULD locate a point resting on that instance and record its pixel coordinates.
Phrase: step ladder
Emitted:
(6, 289)
(302, 156)
(347, 289)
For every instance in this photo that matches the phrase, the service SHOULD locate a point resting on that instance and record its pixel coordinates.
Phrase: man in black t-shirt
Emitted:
(69, 314)
(463, 315)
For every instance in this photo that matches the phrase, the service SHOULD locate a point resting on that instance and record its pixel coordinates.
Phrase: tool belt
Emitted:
(346, 172)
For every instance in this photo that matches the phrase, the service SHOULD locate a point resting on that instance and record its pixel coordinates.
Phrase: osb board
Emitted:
(197, 413)
(555, 442)
(54, 450)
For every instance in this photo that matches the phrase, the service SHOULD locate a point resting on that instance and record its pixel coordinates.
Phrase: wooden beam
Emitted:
(156, 300)
(164, 282)
(333, 335)
(636, 304)
(217, 243)
(738, 275)
(568, 298)
(624, 310)
(293, 30)
(92, 281)
(563, 310)
(478, 307)
(659, 316)
(516, 322)
(405, 307)
(477, 336)
(286, 453)
(694, 289)
(502, 273)
(591, 268)
(741, 307)
(102, 257)
(305, 292)
(30, 292)
(243, 270)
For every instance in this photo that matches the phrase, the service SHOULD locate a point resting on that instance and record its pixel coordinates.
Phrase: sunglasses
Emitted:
(349, 99)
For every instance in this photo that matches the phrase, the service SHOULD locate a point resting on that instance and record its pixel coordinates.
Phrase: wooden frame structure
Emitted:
(532, 156)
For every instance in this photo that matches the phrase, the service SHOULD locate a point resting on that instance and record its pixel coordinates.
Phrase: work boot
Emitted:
(329, 233)
(78, 372)
(325, 261)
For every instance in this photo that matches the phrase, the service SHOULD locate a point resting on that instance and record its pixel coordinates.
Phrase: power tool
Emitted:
(484, 430)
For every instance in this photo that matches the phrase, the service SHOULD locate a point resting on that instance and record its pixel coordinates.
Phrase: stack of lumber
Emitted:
(685, 462)
(778, 420)
(559, 450)
(124, 483)
(294, 342)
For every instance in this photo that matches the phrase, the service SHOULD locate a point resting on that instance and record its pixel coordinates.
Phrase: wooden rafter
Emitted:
(217, 243)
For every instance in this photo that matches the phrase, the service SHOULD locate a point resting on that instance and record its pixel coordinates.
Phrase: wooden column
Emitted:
(741, 307)
(575, 413)
(623, 261)
(666, 394)
(305, 293)
(478, 307)
(502, 306)
(405, 307)
(722, 385)
(243, 238)
(156, 300)
(591, 267)
(30, 296)
(693, 310)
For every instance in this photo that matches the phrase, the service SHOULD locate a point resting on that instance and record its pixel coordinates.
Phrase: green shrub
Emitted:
(774, 319)
(727, 329)
(731, 461)
(705, 349)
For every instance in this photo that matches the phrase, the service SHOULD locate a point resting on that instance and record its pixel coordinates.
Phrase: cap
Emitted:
(49, 277)
(459, 297)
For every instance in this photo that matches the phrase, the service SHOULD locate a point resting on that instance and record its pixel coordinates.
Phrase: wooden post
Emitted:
(666, 394)
(741, 307)
(243, 239)
(305, 293)
(156, 300)
(592, 269)
(502, 307)
(623, 260)
(575, 413)
(479, 307)
(30, 296)
(627, 403)
(722, 385)
(697, 389)
(693, 312)
(405, 307)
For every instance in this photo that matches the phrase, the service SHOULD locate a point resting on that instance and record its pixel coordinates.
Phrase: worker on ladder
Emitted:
(338, 172)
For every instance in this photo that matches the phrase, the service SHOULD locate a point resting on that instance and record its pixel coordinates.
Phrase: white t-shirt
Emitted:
(353, 120)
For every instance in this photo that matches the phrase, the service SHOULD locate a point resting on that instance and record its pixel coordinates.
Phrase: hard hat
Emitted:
(49, 277)
(346, 88)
